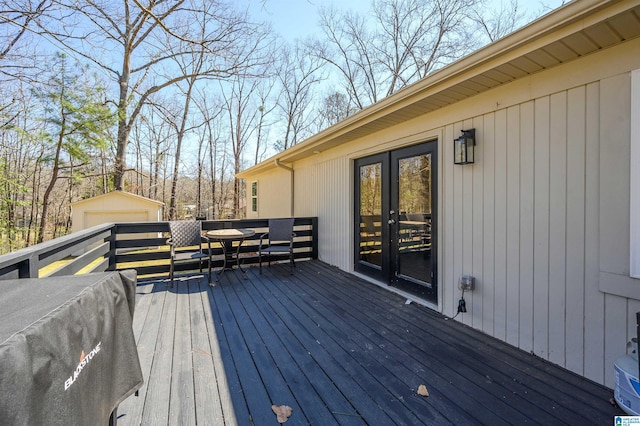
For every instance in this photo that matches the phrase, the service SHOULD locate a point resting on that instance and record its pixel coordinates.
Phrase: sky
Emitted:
(298, 18)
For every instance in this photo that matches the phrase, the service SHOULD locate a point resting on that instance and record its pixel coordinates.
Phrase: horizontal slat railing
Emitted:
(135, 251)
(100, 252)
(141, 246)
(30, 261)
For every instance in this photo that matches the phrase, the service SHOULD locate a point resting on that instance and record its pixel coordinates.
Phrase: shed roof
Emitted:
(574, 30)
(117, 194)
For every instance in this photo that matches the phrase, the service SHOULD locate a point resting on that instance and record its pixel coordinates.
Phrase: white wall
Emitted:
(323, 190)
(274, 194)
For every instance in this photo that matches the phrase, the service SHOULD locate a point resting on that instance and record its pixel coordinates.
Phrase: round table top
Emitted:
(230, 234)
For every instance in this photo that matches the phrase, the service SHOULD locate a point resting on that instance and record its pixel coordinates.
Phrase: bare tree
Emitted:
(346, 47)
(299, 72)
(17, 18)
(156, 134)
(266, 108)
(331, 110)
(131, 43)
(419, 36)
(506, 17)
(211, 110)
(190, 66)
(500, 22)
(242, 113)
(405, 41)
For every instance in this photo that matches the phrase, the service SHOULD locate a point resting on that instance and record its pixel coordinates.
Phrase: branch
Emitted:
(23, 27)
(158, 21)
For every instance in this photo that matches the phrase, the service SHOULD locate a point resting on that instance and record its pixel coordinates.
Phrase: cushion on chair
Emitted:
(189, 255)
(276, 249)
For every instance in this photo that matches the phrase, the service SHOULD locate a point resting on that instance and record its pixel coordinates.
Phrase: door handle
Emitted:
(391, 221)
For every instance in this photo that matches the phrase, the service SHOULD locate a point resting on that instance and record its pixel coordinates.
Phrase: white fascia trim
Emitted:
(634, 178)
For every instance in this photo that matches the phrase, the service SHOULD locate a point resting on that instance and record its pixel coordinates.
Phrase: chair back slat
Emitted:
(185, 233)
(280, 229)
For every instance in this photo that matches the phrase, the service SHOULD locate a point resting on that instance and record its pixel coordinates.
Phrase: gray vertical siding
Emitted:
(537, 219)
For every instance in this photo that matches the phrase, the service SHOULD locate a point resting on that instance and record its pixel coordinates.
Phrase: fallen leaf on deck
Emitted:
(283, 412)
(422, 390)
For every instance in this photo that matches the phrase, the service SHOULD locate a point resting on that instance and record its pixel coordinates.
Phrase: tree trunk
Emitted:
(180, 137)
(123, 126)
(199, 179)
(52, 182)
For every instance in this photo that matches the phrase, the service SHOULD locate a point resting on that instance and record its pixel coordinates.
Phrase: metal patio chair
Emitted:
(280, 241)
(187, 234)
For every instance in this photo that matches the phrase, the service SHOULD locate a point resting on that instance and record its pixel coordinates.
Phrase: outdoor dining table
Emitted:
(231, 257)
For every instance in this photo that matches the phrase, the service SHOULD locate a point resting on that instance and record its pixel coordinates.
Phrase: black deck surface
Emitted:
(338, 350)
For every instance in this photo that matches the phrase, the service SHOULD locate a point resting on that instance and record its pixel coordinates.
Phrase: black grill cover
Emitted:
(67, 350)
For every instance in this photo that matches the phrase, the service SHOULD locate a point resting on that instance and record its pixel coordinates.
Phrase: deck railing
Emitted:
(141, 246)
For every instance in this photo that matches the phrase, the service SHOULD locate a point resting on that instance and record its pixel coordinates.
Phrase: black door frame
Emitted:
(389, 231)
(367, 268)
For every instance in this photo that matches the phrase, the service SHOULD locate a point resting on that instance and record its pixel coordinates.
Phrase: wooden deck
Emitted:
(338, 350)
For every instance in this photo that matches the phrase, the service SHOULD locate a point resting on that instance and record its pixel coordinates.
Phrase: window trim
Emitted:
(254, 196)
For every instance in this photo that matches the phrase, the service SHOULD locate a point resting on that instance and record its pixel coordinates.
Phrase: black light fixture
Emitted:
(463, 147)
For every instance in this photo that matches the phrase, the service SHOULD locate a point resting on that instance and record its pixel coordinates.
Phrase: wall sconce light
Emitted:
(463, 147)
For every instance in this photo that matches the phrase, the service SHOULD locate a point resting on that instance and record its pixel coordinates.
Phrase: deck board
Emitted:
(521, 378)
(208, 405)
(157, 398)
(515, 375)
(276, 344)
(338, 350)
(451, 363)
(256, 366)
(378, 384)
(374, 338)
(359, 389)
(182, 392)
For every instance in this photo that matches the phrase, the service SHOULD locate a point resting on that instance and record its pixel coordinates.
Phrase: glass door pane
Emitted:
(414, 218)
(370, 214)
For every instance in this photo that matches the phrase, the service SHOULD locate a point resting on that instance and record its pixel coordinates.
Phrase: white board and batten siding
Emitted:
(546, 211)
(323, 189)
(541, 220)
(315, 194)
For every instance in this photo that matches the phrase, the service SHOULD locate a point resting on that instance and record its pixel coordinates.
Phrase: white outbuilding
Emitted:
(115, 206)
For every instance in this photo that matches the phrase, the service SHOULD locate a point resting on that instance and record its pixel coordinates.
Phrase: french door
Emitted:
(395, 216)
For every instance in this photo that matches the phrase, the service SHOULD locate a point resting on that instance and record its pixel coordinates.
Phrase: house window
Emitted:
(635, 177)
(254, 196)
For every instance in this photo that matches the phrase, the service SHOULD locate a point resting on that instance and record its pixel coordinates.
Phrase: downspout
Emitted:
(289, 169)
